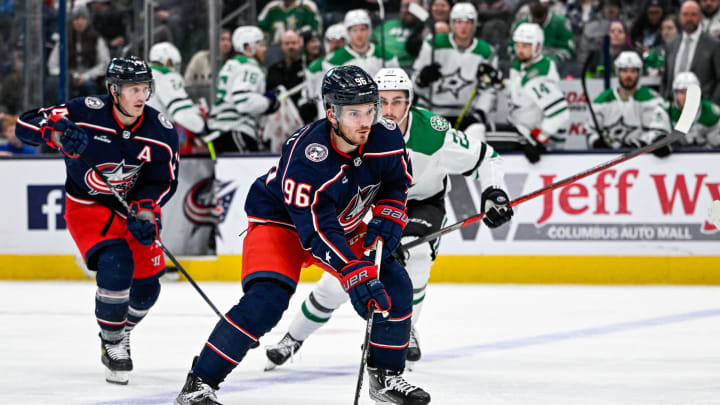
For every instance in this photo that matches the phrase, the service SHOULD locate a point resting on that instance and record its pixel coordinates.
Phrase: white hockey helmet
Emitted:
(336, 31)
(463, 11)
(395, 79)
(530, 33)
(164, 52)
(685, 80)
(358, 16)
(628, 59)
(246, 35)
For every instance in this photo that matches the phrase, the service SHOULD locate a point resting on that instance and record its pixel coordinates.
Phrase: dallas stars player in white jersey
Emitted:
(630, 116)
(241, 99)
(538, 109)
(436, 151)
(705, 132)
(446, 76)
(358, 51)
(170, 97)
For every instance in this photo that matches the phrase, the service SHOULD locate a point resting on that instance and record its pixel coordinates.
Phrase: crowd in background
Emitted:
(580, 36)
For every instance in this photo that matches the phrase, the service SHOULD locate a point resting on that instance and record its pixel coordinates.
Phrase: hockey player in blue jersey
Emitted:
(308, 210)
(135, 148)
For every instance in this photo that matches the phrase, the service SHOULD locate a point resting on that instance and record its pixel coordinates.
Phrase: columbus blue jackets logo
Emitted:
(316, 152)
(354, 212)
(94, 103)
(199, 204)
(164, 121)
(225, 193)
(120, 175)
(390, 125)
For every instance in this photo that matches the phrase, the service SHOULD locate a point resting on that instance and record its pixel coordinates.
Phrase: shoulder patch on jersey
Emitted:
(164, 121)
(439, 123)
(316, 152)
(94, 103)
(390, 125)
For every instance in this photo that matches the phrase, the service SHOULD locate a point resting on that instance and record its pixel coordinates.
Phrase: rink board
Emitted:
(643, 221)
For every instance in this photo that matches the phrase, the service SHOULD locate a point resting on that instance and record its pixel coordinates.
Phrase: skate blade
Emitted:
(117, 377)
(269, 366)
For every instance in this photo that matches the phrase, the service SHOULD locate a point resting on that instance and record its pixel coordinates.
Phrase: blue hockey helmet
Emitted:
(128, 71)
(348, 85)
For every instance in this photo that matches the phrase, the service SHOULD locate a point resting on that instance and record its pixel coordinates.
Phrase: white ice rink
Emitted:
(482, 344)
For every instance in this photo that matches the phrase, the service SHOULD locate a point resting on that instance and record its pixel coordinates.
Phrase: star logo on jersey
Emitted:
(327, 256)
(121, 177)
(439, 123)
(354, 212)
(453, 83)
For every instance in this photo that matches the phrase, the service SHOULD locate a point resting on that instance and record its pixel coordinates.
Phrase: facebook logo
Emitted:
(46, 207)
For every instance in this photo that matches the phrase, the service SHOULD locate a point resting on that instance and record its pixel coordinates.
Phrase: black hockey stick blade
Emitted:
(687, 118)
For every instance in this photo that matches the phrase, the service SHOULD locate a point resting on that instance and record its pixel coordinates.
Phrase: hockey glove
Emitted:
(429, 74)
(145, 225)
(308, 112)
(487, 77)
(273, 102)
(389, 220)
(663, 151)
(61, 133)
(495, 206)
(359, 278)
(536, 145)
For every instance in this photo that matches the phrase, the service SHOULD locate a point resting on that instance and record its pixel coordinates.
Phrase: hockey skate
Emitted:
(196, 392)
(116, 358)
(413, 353)
(279, 353)
(389, 387)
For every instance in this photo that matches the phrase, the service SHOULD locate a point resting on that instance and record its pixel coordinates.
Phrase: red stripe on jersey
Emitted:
(389, 346)
(221, 354)
(26, 125)
(314, 217)
(388, 153)
(98, 127)
(164, 145)
(240, 329)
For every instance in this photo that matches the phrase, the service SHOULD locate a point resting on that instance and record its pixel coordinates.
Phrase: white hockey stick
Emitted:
(687, 118)
(714, 213)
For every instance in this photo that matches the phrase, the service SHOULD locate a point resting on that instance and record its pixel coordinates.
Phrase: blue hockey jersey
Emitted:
(324, 193)
(141, 161)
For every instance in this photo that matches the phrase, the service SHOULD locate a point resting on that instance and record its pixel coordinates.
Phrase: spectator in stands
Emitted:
(494, 20)
(11, 87)
(397, 31)
(695, 51)
(281, 15)
(655, 60)
(313, 45)
(440, 13)
(619, 41)
(581, 12)
(711, 16)
(559, 40)
(14, 146)
(288, 72)
(594, 31)
(439, 20)
(705, 132)
(335, 38)
(647, 24)
(112, 22)
(199, 69)
(88, 56)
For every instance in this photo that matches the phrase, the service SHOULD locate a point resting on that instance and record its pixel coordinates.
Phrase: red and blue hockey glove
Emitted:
(359, 278)
(495, 206)
(61, 133)
(388, 222)
(145, 225)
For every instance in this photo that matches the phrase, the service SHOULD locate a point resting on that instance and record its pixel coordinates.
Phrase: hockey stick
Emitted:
(687, 117)
(466, 107)
(421, 14)
(382, 31)
(124, 203)
(583, 82)
(368, 327)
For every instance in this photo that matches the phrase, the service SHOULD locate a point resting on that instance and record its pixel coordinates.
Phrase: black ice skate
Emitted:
(116, 358)
(196, 392)
(413, 353)
(279, 353)
(389, 387)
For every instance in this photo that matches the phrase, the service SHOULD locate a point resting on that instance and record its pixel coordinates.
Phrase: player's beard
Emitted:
(629, 83)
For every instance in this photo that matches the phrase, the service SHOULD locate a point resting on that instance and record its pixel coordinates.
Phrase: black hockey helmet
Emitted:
(348, 85)
(127, 71)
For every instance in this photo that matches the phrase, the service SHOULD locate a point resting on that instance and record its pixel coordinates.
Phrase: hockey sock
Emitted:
(390, 336)
(143, 294)
(258, 311)
(312, 316)
(115, 270)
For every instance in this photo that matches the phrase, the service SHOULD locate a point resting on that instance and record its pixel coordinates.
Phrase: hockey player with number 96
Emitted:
(309, 209)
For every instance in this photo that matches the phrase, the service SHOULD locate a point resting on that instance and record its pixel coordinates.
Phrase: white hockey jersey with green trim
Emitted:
(705, 132)
(436, 150)
(458, 68)
(536, 100)
(639, 120)
(171, 99)
(240, 100)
